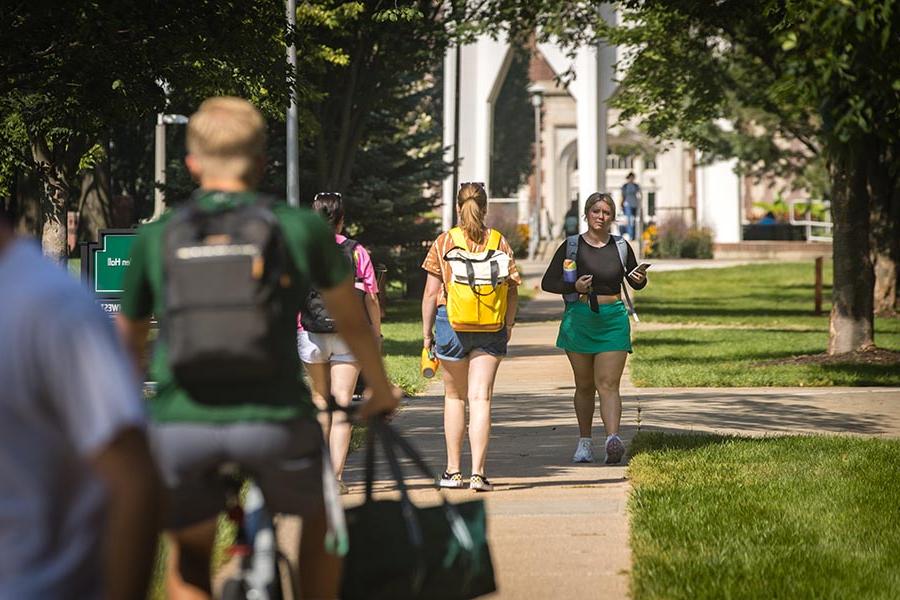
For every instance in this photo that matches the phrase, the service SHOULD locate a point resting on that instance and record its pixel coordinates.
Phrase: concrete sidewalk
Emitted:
(559, 530)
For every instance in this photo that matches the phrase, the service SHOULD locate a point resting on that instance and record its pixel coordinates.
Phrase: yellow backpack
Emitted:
(478, 289)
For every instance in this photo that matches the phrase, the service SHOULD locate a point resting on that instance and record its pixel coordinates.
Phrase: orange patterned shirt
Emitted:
(436, 265)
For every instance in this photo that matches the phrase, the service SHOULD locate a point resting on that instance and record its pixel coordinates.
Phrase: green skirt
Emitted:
(587, 332)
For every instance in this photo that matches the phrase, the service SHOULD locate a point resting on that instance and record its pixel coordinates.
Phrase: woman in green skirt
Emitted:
(595, 332)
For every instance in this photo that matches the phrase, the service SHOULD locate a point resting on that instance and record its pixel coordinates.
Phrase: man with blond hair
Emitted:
(248, 405)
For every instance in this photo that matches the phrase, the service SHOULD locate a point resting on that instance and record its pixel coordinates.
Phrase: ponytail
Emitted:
(472, 204)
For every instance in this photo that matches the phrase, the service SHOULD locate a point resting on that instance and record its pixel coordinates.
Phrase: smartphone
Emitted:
(641, 267)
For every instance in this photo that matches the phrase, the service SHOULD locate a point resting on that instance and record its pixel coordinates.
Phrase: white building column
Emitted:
(482, 67)
(719, 200)
(449, 128)
(593, 85)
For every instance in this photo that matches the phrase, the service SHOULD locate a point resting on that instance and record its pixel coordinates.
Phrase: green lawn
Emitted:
(735, 357)
(769, 294)
(752, 314)
(402, 330)
(792, 517)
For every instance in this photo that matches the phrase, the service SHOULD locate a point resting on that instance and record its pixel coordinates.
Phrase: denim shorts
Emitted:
(456, 345)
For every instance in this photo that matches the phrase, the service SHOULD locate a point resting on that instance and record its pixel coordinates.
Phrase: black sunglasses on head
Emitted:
(325, 195)
(478, 183)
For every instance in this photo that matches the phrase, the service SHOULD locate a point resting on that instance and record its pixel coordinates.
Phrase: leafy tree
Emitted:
(396, 178)
(511, 154)
(74, 72)
(81, 83)
(378, 129)
(816, 73)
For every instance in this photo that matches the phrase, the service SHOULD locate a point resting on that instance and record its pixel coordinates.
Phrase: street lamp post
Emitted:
(534, 221)
(293, 131)
(159, 179)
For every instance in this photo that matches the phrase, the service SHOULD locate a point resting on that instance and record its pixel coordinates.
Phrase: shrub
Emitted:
(515, 233)
(697, 243)
(671, 236)
(674, 239)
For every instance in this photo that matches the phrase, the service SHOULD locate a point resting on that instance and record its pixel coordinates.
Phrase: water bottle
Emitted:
(261, 575)
(570, 271)
(429, 363)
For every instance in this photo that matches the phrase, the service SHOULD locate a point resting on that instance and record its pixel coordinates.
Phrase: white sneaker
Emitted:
(451, 480)
(480, 483)
(584, 452)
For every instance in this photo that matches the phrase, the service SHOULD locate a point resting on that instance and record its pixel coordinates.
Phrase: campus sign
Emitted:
(103, 265)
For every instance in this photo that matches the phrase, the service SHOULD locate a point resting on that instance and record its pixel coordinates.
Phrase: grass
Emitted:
(402, 330)
(792, 517)
(769, 294)
(758, 313)
(732, 357)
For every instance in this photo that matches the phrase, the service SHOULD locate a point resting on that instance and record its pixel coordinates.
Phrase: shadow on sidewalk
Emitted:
(751, 412)
(533, 435)
(532, 441)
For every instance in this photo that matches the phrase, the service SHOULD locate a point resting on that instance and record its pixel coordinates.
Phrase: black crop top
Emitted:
(603, 263)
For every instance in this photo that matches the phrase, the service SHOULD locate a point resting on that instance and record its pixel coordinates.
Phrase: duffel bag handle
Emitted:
(390, 438)
(457, 524)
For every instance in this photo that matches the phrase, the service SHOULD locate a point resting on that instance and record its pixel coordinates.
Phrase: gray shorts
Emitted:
(284, 459)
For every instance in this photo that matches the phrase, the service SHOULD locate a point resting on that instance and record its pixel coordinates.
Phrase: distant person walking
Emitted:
(225, 276)
(468, 312)
(572, 220)
(631, 205)
(79, 508)
(588, 270)
(326, 356)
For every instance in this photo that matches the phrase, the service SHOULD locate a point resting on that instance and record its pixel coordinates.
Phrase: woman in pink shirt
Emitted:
(331, 367)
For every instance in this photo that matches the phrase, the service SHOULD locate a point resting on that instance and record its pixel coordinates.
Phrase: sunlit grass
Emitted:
(790, 517)
(744, 317)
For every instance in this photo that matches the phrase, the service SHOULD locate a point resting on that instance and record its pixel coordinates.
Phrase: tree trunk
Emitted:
(54, 201)
(95, 207)
(885, 234)
(28, 203)
(852, 293)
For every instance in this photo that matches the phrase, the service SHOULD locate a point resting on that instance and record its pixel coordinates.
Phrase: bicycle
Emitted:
(259, 575)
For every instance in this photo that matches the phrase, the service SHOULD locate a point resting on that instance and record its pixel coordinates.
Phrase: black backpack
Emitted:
(226, 278)
(314, 317)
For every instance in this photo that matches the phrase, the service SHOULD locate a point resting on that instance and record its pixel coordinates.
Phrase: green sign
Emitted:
(110, 262)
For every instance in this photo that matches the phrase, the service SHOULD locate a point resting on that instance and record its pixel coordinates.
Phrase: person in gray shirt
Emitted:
(631, 204)
(79, 493)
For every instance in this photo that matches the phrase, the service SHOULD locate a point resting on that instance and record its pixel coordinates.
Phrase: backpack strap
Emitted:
(349, 245)
(571, 254)
(622, 247)
(494, 238)
(459, 238)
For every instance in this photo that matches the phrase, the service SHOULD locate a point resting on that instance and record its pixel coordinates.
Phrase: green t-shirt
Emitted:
(319, 262)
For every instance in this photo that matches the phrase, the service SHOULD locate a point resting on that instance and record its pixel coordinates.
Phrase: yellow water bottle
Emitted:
(429, 363)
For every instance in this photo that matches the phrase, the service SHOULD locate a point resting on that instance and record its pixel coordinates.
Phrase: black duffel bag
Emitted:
(399, 551)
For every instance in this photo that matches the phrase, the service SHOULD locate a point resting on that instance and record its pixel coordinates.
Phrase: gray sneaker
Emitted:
(615, 450)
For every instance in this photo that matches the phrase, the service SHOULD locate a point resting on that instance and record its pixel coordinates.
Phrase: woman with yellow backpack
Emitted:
(468, 312)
